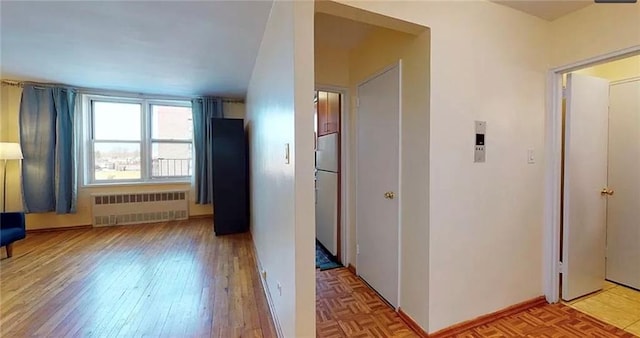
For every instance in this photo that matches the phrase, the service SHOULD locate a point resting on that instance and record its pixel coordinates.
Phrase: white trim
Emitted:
(87, 143)
(399, 183)
(267, 293)
(553, 159)
(345, 169)
(631, 79)
(399, 194)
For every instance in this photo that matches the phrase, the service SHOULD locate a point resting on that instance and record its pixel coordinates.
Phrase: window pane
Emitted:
(171, 159)
(116, 121)
(171, 123)
(116, 161)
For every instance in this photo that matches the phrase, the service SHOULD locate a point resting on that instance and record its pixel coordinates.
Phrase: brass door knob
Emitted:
(606, 191)
(389, 195)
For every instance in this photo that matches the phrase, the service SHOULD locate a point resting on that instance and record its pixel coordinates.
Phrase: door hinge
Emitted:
(357, 102)
(561, 267)
(564, 92)
(357, 249)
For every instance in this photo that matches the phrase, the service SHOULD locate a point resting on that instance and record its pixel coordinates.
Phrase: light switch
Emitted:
(286, 153)
(531, 158)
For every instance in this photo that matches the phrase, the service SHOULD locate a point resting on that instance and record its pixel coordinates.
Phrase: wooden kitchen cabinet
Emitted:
(333, 113)
(328, 113)
(322, 113)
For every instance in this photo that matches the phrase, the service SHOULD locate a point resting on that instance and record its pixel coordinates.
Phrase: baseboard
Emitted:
(412, 324)
(75, 227)
(201, 216)
(267, 293)
(457, 329)
(352, 269)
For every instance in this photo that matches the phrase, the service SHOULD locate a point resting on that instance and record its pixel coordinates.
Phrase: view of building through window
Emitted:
(171, 132)
(134, 141)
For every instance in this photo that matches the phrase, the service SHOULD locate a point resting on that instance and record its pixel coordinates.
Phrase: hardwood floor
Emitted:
(167, 279)
(347, 307)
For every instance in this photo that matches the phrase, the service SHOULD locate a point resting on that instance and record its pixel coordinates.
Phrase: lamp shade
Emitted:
(10, 151)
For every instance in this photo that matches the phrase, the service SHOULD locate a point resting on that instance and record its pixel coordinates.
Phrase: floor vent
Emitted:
(139, 207)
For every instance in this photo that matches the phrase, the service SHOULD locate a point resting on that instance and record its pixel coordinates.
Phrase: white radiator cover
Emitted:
(139, 207)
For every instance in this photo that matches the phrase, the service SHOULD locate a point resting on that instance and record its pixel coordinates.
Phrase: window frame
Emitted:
(88, 141)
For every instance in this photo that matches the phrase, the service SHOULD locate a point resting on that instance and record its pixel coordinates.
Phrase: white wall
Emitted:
(488, 62)
(279, 112)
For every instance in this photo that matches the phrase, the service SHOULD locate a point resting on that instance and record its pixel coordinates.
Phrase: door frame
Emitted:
(553, 159)
(345, 171)
(355, 170)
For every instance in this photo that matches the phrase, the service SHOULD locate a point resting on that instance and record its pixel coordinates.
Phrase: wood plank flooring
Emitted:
(347, 307)
(168, 279)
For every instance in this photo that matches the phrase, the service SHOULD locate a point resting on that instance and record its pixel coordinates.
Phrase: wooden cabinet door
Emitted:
(323, 105)
(333, 113)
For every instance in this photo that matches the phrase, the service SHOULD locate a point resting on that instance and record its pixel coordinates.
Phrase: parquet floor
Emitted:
(347, 307)
(173, 279)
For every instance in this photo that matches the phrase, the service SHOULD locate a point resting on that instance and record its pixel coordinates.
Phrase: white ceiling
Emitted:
(171, 48)
(546, 9)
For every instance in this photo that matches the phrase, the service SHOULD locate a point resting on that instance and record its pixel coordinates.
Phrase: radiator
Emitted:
(139, 207)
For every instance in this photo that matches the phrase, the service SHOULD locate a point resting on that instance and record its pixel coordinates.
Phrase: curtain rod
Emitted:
(21, 84)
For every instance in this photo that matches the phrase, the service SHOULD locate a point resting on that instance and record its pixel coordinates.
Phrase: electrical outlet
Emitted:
(357, 249)
(279, 288)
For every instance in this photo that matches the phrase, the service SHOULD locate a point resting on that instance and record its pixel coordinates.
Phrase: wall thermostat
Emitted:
(479, 151)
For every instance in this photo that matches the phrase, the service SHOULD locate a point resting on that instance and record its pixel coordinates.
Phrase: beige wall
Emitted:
(592, 31)
(279, 112)
(616, 70)
(331, 66)
(234, 110)
(10, 107)
(485, 220)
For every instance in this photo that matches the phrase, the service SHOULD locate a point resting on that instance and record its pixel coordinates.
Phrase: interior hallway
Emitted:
(615, 304)
(172, 279)
(347, 307)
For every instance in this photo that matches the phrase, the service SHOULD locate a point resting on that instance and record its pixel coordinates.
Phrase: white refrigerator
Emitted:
(327, 192)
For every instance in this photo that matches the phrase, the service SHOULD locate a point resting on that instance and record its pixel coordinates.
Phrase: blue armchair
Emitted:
(12, 228)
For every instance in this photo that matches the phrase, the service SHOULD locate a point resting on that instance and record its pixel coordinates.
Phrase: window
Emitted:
(137, 140)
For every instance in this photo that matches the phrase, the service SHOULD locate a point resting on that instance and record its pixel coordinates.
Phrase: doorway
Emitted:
(599, 186)
(328, 177)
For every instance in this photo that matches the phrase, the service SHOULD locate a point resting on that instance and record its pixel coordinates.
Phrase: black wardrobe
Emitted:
(230, 176)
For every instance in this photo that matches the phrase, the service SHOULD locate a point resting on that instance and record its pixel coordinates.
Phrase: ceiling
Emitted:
(546, 9)
(339, 32)
(170, 48)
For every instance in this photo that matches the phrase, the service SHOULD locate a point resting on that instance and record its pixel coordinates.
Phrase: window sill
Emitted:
(133, 184)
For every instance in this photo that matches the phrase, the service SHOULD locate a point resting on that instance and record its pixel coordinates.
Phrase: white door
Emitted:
(585, 175)
(377, 183)
(623, 209)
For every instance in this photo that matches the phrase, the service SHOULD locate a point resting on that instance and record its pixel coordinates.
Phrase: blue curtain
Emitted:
(46, 136)
(66, 182)
(204, 109)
